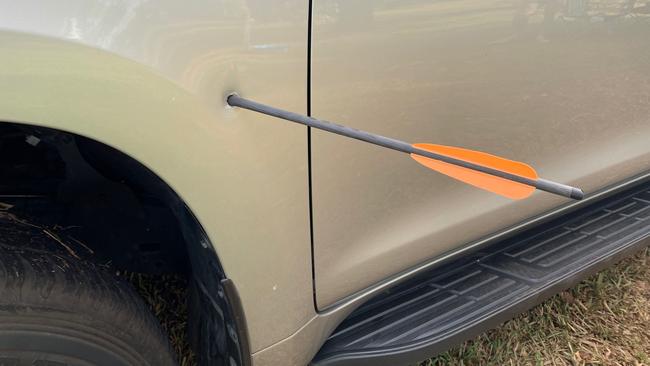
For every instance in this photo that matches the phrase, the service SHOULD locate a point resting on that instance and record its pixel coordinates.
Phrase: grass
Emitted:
(604, 320)
(166, 296)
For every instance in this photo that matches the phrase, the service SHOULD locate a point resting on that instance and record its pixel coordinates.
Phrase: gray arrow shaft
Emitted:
(542, 184)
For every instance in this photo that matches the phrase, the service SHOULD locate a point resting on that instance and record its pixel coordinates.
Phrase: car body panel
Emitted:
(298, 348)
(150, 79)
(563, 89)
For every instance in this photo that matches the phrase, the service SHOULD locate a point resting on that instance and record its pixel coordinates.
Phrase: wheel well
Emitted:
(113, 207)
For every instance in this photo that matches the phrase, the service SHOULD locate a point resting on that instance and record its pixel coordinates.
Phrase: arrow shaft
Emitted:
(542, 184)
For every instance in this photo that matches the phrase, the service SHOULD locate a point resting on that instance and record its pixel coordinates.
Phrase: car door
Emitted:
(563, 85)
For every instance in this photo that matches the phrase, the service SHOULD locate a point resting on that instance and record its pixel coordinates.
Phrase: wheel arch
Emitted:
(198, 148)
(216, 308)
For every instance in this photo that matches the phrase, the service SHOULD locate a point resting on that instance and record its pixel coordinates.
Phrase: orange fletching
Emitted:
(500, 186)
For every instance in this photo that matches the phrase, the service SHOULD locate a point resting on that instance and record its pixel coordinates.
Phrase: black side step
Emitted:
(449, 304)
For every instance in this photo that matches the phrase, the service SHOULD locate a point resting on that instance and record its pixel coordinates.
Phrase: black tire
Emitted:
(58, 310)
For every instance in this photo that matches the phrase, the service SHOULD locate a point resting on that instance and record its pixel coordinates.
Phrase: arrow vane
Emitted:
(507, 178)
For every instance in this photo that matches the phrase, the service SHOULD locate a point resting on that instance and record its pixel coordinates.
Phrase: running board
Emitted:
(440, 309)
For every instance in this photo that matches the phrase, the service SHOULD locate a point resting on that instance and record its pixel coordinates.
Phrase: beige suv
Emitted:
(120, 153)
